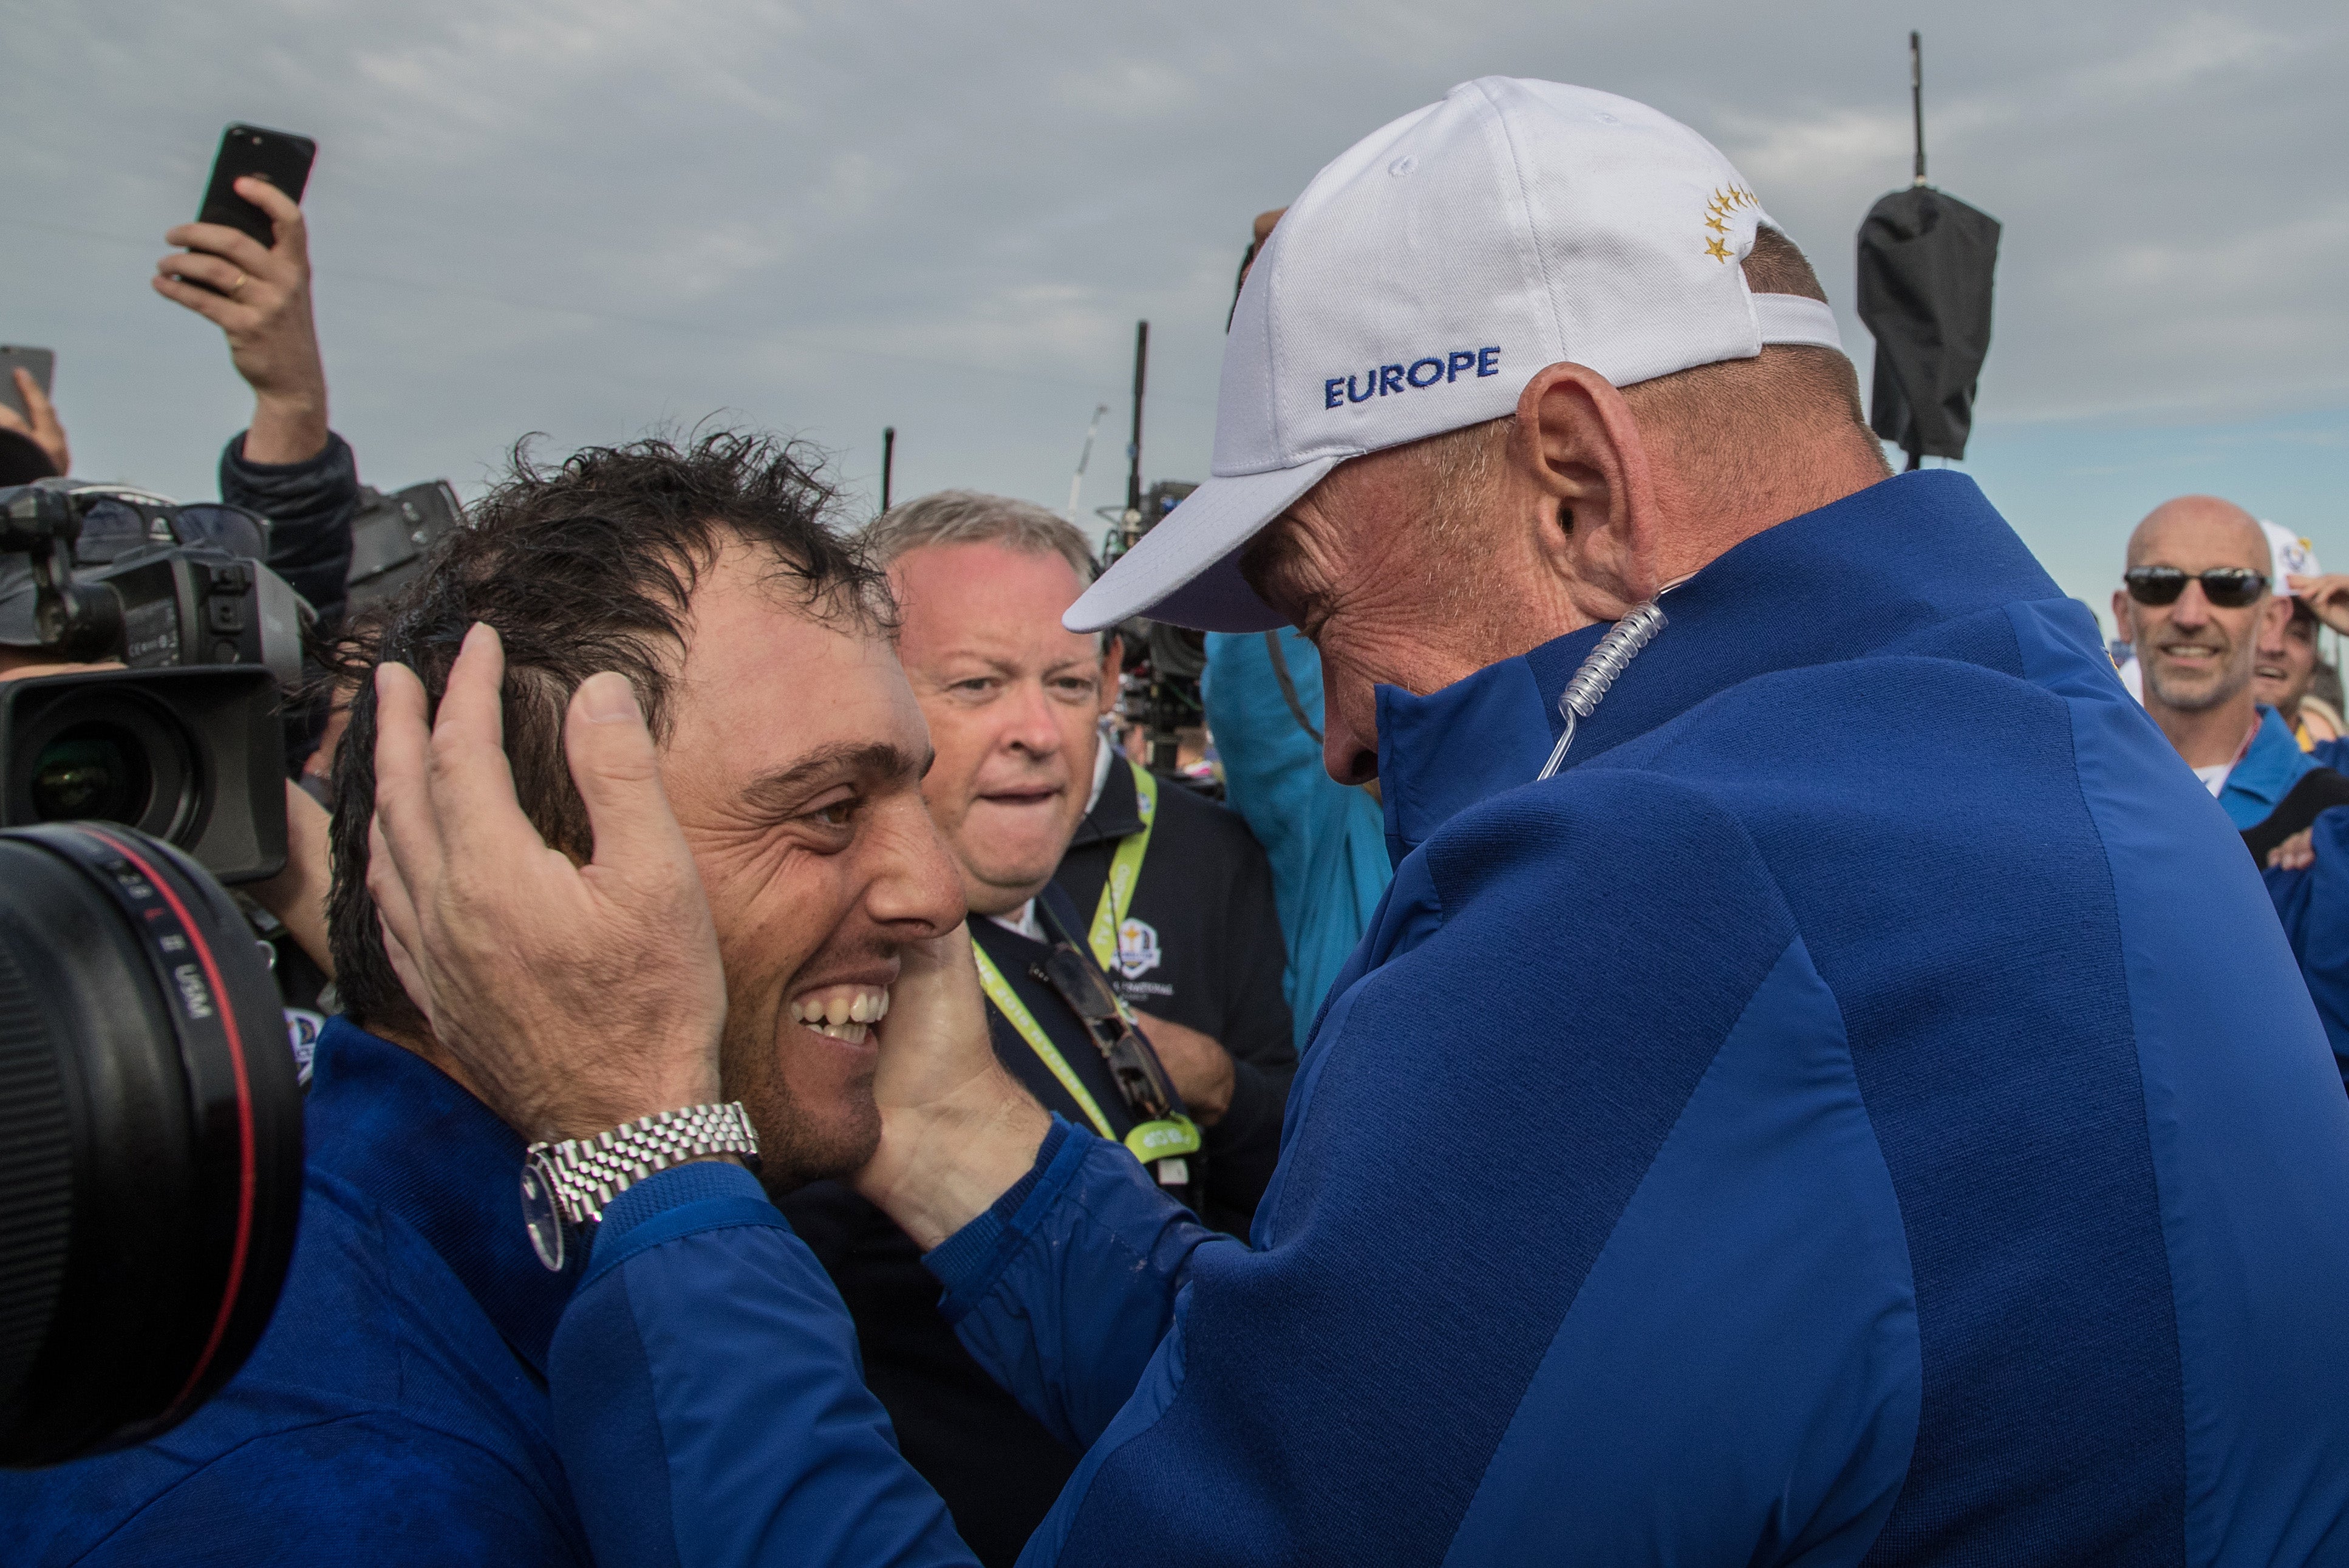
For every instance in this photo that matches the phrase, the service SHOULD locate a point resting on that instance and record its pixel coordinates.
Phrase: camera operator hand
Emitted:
(570, 999)
(261, 299)
(44, 430)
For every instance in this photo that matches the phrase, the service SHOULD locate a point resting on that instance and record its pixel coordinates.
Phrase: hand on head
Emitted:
(259, 297)
(2327, 596)
(43, 429)
(570, 999)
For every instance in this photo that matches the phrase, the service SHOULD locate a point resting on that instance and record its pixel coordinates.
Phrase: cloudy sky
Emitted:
(585, 217)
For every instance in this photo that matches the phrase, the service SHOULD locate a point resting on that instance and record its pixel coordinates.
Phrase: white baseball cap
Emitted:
(2295, 556)
(1424, 278)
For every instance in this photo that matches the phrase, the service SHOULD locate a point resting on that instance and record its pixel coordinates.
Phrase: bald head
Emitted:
(2213, 532)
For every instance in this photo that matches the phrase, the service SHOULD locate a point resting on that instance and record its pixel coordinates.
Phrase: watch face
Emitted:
(539, 1214)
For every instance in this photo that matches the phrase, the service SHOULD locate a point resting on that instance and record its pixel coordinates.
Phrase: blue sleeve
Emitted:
(709, 1405)
(1064, 1289)
(2314, 905)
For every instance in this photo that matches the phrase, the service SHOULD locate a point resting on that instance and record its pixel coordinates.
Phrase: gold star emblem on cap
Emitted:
(1721, 206)
(1716, 225)
(1716, 248)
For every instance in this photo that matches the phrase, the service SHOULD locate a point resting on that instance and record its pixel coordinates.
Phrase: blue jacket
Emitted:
(396, 1411)
(1859, 1110)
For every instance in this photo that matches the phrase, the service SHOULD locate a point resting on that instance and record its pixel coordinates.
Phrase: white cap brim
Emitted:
(1186, 571)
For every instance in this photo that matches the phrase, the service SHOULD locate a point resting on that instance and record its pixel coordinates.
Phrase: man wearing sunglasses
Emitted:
(2195, 601)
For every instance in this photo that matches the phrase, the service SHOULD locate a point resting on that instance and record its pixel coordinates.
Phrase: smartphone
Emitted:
(277, 156)
(41, 362)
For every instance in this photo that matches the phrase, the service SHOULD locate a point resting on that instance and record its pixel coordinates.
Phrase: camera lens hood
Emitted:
(150, 1140)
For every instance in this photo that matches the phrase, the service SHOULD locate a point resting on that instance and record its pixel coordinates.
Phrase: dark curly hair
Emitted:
(586, 566)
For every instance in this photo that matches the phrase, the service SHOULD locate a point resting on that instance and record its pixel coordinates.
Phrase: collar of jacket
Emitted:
(2272, 763)
(1849, 578)
(407, 1137)
(1118, 811)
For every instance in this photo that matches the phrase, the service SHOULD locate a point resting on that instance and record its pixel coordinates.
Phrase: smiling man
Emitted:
(398, 1409)
(2195, 601)
(1014, 701)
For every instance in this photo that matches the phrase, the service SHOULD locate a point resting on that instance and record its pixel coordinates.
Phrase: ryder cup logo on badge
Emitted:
(1418, 375)
(1137, 949)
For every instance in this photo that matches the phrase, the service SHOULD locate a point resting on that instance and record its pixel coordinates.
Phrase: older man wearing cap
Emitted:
(1822, 1085)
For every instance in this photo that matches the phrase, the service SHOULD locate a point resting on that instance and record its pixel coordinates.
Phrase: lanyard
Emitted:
(1150, 1141)
(1124, 870)
(1006, 1002)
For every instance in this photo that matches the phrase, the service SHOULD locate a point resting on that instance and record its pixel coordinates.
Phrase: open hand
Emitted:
(260, 297)
(569, 998)
(43, 428)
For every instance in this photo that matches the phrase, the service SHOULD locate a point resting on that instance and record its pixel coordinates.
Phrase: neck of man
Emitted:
(2206, 737)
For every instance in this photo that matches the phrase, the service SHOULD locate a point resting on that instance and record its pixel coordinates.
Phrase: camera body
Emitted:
(1160, 689)
(185, 742)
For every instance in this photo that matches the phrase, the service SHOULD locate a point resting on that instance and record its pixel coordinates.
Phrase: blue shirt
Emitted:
(396, 1409)
(1860, 1109)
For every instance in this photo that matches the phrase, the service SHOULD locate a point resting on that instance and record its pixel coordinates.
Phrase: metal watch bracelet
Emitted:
(568, 1184)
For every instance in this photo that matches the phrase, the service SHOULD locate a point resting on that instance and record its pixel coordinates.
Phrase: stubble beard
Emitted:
(2230, 683)
(795, 1148)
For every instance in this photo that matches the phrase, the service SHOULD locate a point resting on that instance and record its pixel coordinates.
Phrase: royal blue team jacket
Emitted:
(1861, 1110)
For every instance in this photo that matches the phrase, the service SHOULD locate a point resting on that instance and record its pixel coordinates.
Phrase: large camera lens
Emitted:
(150, 1141)
(92, 770)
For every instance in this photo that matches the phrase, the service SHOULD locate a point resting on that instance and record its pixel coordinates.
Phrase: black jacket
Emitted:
(309, 505)
(1211, 958)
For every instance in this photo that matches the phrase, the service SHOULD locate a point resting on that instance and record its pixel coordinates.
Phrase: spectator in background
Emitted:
(1025, 787)
(1326, 841)
(2198, 604)
(2284, 669)
(2195, 602)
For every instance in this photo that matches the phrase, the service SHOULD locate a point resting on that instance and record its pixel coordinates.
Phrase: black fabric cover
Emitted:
(1925, 263)
(2318, 790)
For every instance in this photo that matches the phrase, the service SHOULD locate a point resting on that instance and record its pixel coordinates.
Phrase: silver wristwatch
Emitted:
(567, 1185)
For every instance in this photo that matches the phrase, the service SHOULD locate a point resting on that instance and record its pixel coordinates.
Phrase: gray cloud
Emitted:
(583, 218)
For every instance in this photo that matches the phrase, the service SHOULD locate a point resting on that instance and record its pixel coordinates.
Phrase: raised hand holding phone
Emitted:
(258, 296)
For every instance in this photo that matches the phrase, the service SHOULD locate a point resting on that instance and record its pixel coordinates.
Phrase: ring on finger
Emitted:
(241, 281)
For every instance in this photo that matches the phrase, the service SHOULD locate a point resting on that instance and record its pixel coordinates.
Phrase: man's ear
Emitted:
(1599, 525)
(2123, 623)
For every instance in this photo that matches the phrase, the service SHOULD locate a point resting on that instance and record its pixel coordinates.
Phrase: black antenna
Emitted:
(1133, 447)
(1916, 98)
(888, 460)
